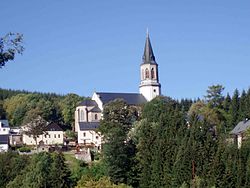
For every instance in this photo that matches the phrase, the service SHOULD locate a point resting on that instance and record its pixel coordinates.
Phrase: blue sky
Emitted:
(85, 46)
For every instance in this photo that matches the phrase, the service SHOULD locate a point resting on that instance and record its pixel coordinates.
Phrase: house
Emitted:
(4, 143)
(239, 132)
(89, 113)
(4, 127)
(4, 135)
(54, 134)
(15, 137)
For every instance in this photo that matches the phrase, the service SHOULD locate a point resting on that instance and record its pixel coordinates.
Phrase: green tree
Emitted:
(11, 164)
(118, 150)
(10, 45)
(68, 106)
(59, 173)
(214, 95)
(34, 125)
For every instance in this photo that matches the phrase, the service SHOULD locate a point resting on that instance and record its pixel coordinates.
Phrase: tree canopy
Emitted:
(10, 45)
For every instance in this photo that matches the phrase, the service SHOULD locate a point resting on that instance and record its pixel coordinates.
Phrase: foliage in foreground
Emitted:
(44, 170)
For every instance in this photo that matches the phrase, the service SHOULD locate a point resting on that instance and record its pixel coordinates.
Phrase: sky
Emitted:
(82, 46)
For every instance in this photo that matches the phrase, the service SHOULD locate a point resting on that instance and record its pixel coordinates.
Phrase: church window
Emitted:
(146, 73)
(152, 73)
(96, 117)
(82, 115)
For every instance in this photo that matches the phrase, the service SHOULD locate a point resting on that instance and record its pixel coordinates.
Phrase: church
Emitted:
(89, 112)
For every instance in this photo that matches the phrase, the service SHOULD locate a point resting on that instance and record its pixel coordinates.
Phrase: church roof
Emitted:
(88, 102)
(148, 56)
(129, 98)
(241, 127)
(88, 125)
(95, 109)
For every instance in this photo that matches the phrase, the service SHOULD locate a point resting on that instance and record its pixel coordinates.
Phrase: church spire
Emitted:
(148, 56)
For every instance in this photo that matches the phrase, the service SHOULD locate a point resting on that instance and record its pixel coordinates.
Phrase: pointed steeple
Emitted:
(148, 56)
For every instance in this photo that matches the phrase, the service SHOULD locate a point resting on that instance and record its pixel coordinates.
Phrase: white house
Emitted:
(4, 143)
(54, 135)
(4, 135)
(89, 112)
(4, 127)
(239, 131)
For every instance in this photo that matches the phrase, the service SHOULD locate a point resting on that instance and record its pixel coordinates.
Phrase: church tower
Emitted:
(149, 86)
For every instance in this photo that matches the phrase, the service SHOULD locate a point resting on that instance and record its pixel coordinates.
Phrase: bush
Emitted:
(24, 149)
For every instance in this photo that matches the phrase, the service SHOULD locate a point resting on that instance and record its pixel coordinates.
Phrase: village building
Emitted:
(4, 135)
(89, 112)
(239, 132)
(54, 134)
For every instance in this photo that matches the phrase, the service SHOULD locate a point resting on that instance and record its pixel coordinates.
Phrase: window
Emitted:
(152, 73)
(82, 115)
(54, 135)
(45, 136)
(84, 134)
(96, 117)
(49, 136)
(96, 137)
(146, 73)
(3, 129)
(58, 135)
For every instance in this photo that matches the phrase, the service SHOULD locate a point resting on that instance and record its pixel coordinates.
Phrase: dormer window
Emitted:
(96, 117)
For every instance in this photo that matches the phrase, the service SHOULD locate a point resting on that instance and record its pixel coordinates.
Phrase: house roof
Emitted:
(88, 102)
(241, 127)
(53, 127)
(130, 98)
(4, 139)
(5, 123)
(88, 125)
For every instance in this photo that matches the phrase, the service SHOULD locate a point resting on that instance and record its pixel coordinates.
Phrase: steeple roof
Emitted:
(148, 56)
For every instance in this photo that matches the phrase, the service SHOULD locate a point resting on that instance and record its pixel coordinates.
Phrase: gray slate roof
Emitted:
(84, 126)
(4, 139)
(88, 102)
(129, 98)
(4, 122)
(241, 127)
(148, 56)
(95, 109)
(53, 127)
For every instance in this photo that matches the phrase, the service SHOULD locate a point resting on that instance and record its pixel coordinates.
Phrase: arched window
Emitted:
(142, 74)
(152, 73)
(96, 117)
(82, 115)
(146, 73)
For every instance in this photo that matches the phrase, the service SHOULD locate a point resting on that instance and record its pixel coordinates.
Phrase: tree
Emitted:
(119, 149)
(59, 173)
(10, 45)
(214, 95)
(34, 125)
(68, 106)
(11, 164)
